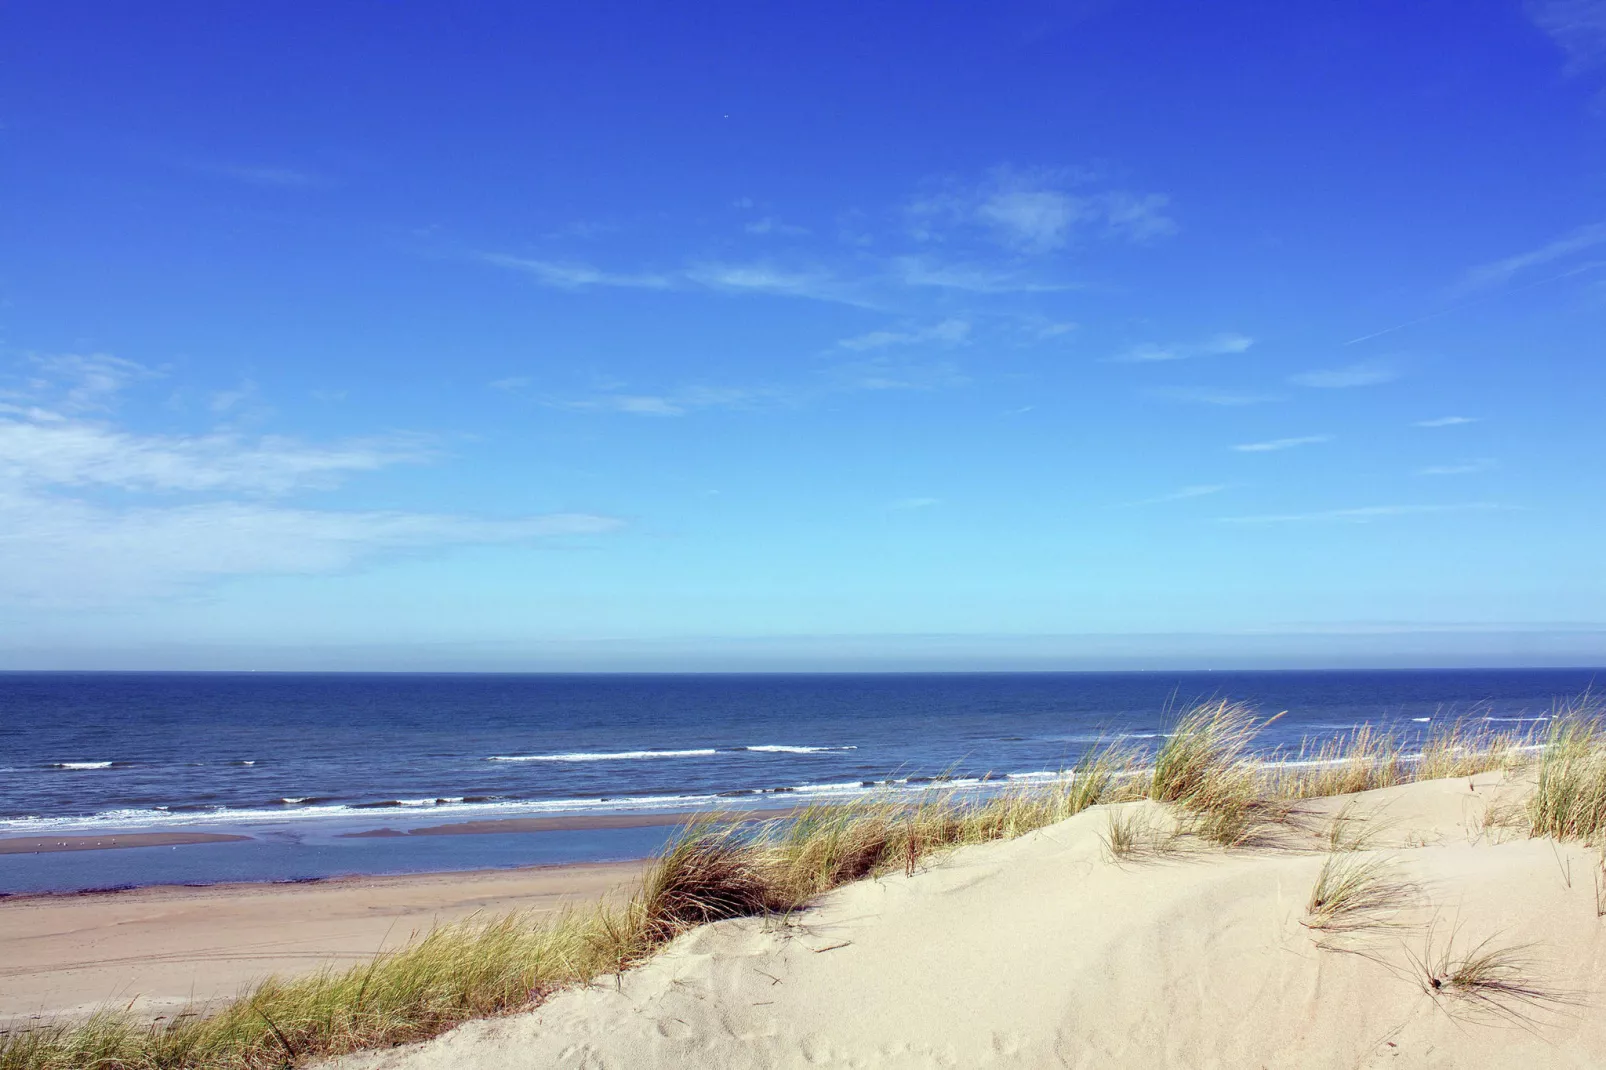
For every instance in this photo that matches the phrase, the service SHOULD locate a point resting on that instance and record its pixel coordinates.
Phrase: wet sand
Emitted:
(157, 948)
(20, 845)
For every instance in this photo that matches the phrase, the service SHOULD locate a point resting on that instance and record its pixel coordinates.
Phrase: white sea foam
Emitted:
(1514, 720)
(1421, 720)
(781, 748)
(610, 756)
(81, 765)
(851, 786)
(294, 811)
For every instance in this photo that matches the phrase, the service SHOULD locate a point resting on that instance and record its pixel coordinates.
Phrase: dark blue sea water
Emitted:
(295, 760)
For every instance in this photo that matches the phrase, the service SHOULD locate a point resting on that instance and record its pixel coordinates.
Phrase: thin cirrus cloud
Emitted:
(1577, 26)
(908, 504)
(1447, 421)
(873, 371)
(986, 234)
(677, 403)
(267, 175)
(1367, 373)
(45, 452)
(769, 225)
(1465, 468)
(576, 276)
(920, 272)
(1217, 345)
(947, 332)
(194, 508)
(1499, 272)
(1277, 444)
(1197, 490)
(868, 286)
(1037, 211)
(1198, 395)
(1361, 514)
(73, 552)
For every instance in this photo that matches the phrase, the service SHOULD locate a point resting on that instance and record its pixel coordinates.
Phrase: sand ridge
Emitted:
(1043, 951)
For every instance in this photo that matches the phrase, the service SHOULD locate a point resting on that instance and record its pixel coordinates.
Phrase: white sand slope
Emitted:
(1043, 952)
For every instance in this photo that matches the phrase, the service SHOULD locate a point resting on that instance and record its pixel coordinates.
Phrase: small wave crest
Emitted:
(781, 748)
(605, 756)
(79, 766)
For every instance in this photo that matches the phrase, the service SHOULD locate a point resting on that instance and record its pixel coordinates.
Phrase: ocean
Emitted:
(299, 762)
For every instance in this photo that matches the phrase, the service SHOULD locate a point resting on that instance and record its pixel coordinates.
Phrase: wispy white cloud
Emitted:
(58, 550)
(510, 383)
(675, 403)
(975, 239)
(1447, 421)
(1369, 373)
(1499, 272)
(1039, 210)
(947, 332)
(1578, 26)
(223, 401)
(1465, 468)
(1216, 345)
(1045, 329)
(887, 373)
(75, 383)
(903, 504)
(1362, 514)
(816, 284)
(1276, 444)
(1197, 490)
(96, 513)
(1198, 395)
(770, 225)
(264, 175)
(576, 276)
(81, 453)
(966, 277)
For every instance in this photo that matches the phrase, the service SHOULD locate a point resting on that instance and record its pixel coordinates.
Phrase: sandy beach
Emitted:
(156, 949)
(1046, 951)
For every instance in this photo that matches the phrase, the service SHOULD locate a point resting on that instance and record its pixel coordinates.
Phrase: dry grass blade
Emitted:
(1488, 979)
(1351, 831)
(1355, 892)
(1132, 834)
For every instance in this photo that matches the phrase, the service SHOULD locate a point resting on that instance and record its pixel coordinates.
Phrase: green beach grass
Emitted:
(721, 867)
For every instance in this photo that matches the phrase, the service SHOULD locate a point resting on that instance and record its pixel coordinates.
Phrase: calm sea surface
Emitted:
(294, 760)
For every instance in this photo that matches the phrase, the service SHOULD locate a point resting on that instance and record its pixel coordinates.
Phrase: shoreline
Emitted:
(54, 844)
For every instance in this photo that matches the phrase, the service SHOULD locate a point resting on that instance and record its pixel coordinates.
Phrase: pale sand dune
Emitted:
(155, 948)
(1042, 951)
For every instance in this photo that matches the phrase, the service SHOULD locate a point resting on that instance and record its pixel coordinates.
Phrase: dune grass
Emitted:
(1487, 979)
(722, 868)
(1355, 891)
(1569, 799)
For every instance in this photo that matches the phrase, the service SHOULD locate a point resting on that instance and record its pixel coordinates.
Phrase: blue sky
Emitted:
(722, 336)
